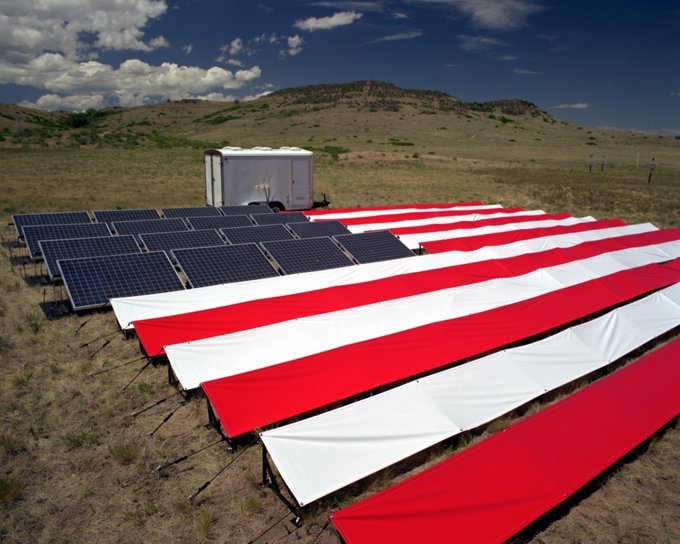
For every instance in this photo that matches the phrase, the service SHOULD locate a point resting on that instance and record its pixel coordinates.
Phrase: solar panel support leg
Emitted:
(215, 424)
(172, 379)
(269, 480)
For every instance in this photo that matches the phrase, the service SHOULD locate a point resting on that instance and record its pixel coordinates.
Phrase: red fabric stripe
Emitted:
(391, 207)
(480, 223)
(470, 243)
(156, 333)
(497, 487)
(422, 215)
(255, 399)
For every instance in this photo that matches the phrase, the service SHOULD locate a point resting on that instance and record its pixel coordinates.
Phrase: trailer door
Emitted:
(299, 184)
(213, 178)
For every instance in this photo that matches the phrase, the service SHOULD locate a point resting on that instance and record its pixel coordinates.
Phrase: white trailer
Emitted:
(282, 178)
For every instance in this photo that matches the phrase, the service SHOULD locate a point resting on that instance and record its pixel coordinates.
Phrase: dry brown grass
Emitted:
(77, 467)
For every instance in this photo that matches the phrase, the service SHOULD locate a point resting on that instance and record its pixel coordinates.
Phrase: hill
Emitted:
(300, 116)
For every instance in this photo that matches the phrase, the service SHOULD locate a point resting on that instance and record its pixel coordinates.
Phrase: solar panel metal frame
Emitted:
(110, 216)
(219, 222)
(257, 234)
(246, 209)
(199, 211)
(167, 241)
(217, 265)
(318, 229)
(372, 247)
(20, 220)
(135, 228)
(306, 254)
(33, 234)
(74, 248)
(276, 218)
(157, 267)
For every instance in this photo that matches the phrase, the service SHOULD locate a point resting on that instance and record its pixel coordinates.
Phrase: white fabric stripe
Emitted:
(324, 453)
(131, 309)
(230, 354)
(443, 220)
(339, 216)
(413, 241)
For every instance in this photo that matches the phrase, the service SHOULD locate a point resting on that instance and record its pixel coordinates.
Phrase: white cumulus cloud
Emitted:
(236, 47)
(76, 102)
(294, 45)
(55, 46)
(342, 18)
(132, 83)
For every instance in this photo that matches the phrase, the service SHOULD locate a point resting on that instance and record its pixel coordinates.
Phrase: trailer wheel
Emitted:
(277, 206)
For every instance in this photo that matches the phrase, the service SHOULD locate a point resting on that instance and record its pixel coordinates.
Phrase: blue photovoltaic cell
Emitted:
(259, 233)
(33, 234)
(141, 227)
(21, 220)
(246, 210)
(274, 218)
(223, 264)
(221, 222)
(165, 241)
(73, 248)
(318, 229)
(371, 247)
(109, 216)
(202, 211)
(92, 281)
(306, 255)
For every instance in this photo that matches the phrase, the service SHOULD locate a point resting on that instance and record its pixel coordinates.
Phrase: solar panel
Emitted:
(150, 225)
(21, 220)
(201, 211)
(371, 247)
(221, 222)
(92, 281)
(109, 216)
(165, 241)
(273, 218)
(259, 233)
(223, 264)
(72, 248)
(294, 256)
(315, 230)
(35, 233)
(246, 210)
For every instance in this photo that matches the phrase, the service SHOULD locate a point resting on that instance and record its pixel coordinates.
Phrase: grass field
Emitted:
(78, 467)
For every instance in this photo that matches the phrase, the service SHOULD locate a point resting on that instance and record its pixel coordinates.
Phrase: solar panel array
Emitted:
(72, 248)
(246, 210)
(35, 233)
(321, 228)
(201, 211)
(92, 281)
(273, 218)
(371, 247)
(306, 255)
(109, 216)
(221, 222)
(138, 227)
(21, 220)
(259, 233)
(224, 264)
(166, 241)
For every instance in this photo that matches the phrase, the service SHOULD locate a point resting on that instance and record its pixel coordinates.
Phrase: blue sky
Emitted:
(595, 63)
